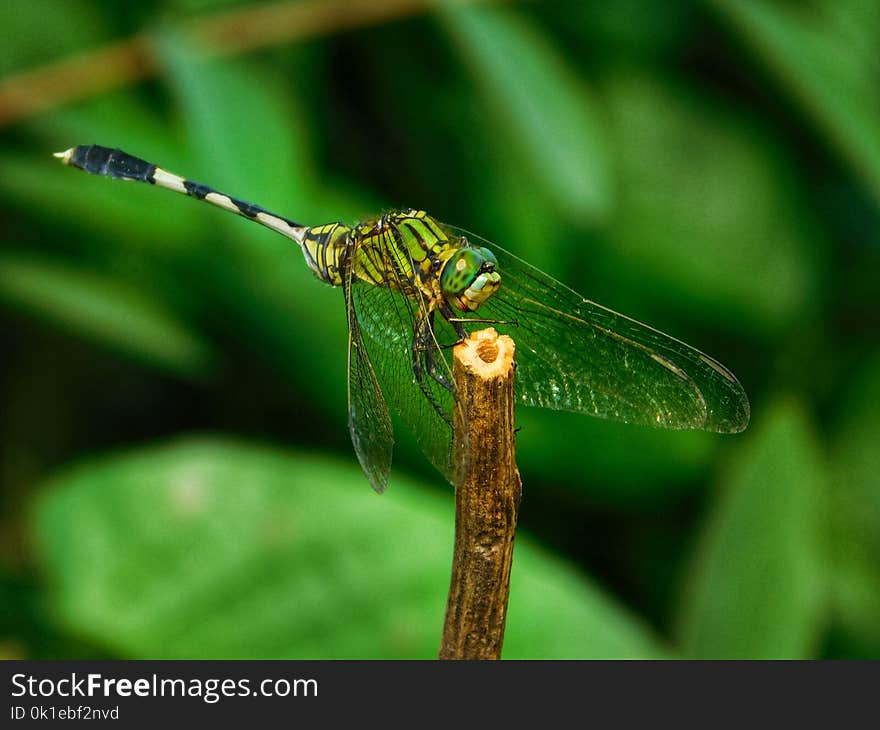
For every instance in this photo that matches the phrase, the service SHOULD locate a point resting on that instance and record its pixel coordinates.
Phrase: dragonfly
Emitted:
(413, 287)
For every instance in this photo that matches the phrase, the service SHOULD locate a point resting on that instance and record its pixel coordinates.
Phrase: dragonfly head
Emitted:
(469, 278)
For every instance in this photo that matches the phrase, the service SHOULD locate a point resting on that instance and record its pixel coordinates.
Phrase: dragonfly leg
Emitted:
(431, 348)
(424, 359)
(456, 322)
(435, 371)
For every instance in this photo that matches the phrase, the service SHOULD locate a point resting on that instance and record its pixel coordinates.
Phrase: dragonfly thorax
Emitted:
(413, 253)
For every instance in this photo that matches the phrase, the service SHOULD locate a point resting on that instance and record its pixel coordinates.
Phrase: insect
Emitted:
(413, 287)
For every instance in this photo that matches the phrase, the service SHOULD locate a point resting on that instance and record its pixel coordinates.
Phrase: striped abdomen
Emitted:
(115, 163)
(400, 250)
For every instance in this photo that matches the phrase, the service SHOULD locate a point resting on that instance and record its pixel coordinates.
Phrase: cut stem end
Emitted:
(486, 353)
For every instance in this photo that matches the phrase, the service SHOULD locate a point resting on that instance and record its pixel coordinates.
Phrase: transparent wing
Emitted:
(387, 320)
(368, 420)
(575, 355)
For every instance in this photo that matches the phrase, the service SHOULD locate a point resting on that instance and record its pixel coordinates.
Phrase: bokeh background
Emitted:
(176, 478)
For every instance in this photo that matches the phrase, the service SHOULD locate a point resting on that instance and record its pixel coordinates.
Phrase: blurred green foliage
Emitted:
(257, 544)
(176, 478)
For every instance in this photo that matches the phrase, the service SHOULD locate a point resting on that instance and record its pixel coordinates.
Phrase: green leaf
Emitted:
(38, 31)
(628, 31)
(824, 54)
(555, 613)
(26, 631)
(603, 466)
(256, 150)
(709, 213)
(756, 588)
(539, 106)
(245, 133)
(105, 310)
(856, 511)
(210, 549)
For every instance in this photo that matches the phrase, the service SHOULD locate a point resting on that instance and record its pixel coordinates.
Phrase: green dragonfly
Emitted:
(414, 286)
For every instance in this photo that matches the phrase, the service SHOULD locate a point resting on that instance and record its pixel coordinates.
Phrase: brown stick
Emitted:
(487, 497)
(224, 33)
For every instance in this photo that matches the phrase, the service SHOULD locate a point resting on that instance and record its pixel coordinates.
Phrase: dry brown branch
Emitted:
(222, 34)
(487, 497)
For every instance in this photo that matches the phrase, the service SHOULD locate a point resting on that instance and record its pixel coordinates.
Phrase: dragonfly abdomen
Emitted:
(115, 163)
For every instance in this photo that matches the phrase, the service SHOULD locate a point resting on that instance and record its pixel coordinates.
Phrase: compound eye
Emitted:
(460, 271)
(488, 255)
